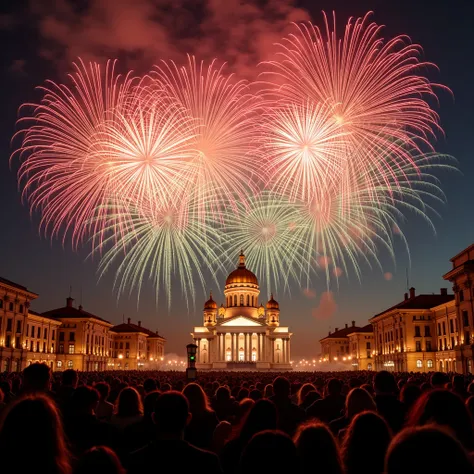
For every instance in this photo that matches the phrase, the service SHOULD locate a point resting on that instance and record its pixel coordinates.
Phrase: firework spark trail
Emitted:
(373, 88)
(267, 230)
(225, 168)
(159, 245)
(57, 171)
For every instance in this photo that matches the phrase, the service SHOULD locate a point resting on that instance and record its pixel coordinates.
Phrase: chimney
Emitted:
(80, 307)
(139, 324)
(329, 333)
(406, 296)
(128, 320)
(444, 291)
(412, 292)
(346, 325)
(69, 301)
(353, 324)
(337, 329)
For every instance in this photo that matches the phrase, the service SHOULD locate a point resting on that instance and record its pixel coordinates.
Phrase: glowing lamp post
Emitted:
(191, 372)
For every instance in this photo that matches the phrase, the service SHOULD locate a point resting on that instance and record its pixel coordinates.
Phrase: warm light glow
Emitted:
(120, 356)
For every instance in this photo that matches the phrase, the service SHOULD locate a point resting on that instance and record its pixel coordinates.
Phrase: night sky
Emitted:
(40, 41)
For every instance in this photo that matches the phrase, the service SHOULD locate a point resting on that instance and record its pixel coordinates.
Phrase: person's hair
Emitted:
(357, 401)
(171, 412)
(268, 391)
(314, 440)
(443, 453)
(85, 398)
(281, 387)
(269, 451)
(255, 394)
(222, 393)
(303, 391)
(334, 387)
(262, 416)
(69, 377)
(470, 388)
(197, 399)
(447, 409)
(129, 403)
(149, 403)
(99, 460)
(37, 377)
(384, 382)
(358, 454)
(2, 396)
(104, 389)
(439, 379)
(149, 385)
(409, 394)
(46, 450)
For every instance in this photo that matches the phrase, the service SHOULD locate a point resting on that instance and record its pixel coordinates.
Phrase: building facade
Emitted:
(135, 347)
(404, 335)
(69, 337)
(461, 276)
(242, 334)
(361, 348)
(335, 347)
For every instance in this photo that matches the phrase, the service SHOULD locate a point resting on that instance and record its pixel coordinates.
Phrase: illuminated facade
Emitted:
(335, 346)
(361, 348)
(242, 334)
(135, 347)
(461, 276)
(69, 337)
(405, 335)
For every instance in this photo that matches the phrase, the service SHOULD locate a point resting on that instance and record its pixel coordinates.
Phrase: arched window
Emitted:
(248, 300)
(429, 364)
(70, 364)
(228, 355)
(419, 363)
(241, 300)
(60, 364)
(235, 300)
(369, 366)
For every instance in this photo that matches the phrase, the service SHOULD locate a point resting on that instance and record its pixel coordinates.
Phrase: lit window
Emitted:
(70, 365)
(228, 356)
(241, 355)
(254, 356)
(429, 364)
(419, 363)
(60, 364)
(71, 348)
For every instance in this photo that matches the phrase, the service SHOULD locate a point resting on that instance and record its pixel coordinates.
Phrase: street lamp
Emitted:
(191, 372)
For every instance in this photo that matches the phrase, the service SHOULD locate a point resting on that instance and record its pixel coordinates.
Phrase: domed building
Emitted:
(242, 333)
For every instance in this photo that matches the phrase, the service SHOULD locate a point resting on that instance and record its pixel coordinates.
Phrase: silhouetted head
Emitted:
(37, 378)
(439, 380)
(410, 394)
(357, 401)
(269, 451)
(281, 387)
(40, 451)
(85, 399)
(303, 391)
(197, 399)
(69, 378)
(129, 403)
(149, 385)
(384, 382)
(262, 416)
(316, 444)
(171, 413)
(103, 389)
(443, 453)
(334, 387)
(99, 460)
(446, 409)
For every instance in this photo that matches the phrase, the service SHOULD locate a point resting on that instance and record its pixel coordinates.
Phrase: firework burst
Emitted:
(224, 168)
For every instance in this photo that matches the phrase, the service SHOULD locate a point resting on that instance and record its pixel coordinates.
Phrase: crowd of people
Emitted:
(235, 422)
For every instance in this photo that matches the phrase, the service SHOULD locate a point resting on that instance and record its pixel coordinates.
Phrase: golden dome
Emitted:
(241, 274)
(210, 303)
(272, 304)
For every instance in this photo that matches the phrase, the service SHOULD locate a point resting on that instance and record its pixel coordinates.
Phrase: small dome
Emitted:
(272, 304)
(241, 274)
(210, 303)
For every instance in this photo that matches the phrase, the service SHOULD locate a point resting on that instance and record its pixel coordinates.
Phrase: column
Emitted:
(260, 346)
(246, 347)
(232, 346)
(198, 343)
(223, 346)
(288, 351)
(283, 343)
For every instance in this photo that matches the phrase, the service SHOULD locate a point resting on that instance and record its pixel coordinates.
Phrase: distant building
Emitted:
(335, 346)
(361, 348)
(136, 347)
(404, 334)
(461, 276)
(242, 333)
(69, 337)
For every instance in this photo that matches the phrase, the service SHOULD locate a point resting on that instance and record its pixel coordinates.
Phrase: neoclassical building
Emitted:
(242, 333)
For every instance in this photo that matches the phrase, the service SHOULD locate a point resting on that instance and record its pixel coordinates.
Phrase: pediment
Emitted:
(241, 321)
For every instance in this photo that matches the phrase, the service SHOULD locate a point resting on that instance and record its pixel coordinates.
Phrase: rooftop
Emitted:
(69, 311)
(130, 327)
(15, 285)
(342, 332)
(425, 301)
